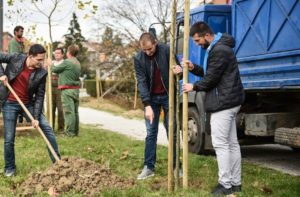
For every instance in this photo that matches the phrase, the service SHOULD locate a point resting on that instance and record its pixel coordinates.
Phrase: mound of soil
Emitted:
(71, 173)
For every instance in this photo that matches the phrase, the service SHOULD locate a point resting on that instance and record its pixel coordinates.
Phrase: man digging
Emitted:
(27, 78)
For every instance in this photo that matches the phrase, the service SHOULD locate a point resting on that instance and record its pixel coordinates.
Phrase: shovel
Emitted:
(31, 118)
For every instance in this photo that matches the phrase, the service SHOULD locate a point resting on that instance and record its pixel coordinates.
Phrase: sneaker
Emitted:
(180, 173)
(146, 173)
(236, 188)
(220, 190)
(9, 173)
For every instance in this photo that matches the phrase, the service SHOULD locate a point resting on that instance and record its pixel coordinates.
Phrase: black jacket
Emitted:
(222, 82)
(37, 80)
(144, 70)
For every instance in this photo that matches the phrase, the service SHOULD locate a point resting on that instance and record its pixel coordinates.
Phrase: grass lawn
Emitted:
(125, 157)
(116, 107)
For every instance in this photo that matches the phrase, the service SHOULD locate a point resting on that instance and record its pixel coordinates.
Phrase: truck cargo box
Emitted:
(267, 34)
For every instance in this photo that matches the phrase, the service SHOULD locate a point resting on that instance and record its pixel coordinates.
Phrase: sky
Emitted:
(30, 17)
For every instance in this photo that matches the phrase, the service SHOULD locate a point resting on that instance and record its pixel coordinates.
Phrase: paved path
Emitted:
(130, 127)
(272, 156)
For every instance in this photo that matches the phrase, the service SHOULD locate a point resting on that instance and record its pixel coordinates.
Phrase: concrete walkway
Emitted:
(130, 127)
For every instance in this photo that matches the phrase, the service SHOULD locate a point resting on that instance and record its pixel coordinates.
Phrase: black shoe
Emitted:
(220, 190)
(236, 188)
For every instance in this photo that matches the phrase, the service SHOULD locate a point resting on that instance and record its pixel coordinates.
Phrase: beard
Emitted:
(206, 45)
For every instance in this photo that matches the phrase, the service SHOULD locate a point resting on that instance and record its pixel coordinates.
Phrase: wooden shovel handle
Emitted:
(32, 119)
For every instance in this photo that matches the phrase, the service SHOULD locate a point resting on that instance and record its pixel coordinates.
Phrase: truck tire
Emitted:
(196, 135)
(296, 150)
(288, 136)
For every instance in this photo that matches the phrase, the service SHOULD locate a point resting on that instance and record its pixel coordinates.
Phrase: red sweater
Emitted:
(20, 85)
(158, 86)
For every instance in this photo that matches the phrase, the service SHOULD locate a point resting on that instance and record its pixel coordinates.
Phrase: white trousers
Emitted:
(225, 143)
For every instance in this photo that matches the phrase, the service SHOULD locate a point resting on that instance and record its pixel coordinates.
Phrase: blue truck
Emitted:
(267, 34)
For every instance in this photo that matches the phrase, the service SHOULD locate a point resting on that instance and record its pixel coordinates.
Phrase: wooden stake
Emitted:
(31, 118)
(135, 93)
(185, 95)
(171, 100)
(100, 84)
(177, 132)
(50, 112)
(97, 84)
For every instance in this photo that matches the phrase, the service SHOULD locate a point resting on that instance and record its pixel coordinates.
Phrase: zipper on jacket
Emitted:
(161, 77)
(217, 94)
(151, 75)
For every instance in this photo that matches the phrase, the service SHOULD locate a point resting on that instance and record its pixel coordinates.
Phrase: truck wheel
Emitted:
(296, 150)
(196, 135)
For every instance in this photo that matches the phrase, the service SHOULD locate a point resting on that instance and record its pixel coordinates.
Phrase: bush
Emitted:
(90, 86)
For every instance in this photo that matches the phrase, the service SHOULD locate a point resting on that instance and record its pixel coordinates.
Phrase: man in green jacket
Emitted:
(69, 83)
(16, 44)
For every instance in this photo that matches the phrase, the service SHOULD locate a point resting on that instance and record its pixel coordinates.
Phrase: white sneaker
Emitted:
(9, 173)
(146, 173)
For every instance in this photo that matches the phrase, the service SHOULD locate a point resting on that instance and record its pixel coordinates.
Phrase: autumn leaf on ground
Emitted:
(52, 192)
(124, 155)
(267, 190)
(231, 195)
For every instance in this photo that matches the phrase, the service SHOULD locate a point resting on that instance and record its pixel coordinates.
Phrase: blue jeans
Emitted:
(11, 110)
(157, 102)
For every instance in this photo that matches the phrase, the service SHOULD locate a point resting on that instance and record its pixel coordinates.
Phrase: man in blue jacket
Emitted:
(152, 73)
(27, 77)
(224, 95)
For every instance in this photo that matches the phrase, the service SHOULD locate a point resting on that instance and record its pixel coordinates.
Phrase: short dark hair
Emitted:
(17, 28)
(36, 49)
(147, 37)
(200, 28)
(73, 49)
(61, 50)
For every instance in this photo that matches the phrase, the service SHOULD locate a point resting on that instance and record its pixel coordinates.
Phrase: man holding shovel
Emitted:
(27, 78)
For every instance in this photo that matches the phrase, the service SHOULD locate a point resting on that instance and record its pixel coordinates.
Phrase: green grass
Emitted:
(116, 107)
(107, 148)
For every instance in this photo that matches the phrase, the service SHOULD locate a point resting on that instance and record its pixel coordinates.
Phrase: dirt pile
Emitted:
(77, 174)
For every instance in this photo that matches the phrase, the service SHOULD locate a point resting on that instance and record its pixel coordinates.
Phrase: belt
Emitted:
(63, 87)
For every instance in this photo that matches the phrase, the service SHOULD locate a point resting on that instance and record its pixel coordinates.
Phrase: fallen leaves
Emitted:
(52, 192)
(124, 155)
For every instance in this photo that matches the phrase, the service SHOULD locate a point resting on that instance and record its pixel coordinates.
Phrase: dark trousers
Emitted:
(157, 103)
(11, 110)
(57, 104)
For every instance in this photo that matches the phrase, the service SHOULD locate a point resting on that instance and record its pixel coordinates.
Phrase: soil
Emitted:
(80, 175)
